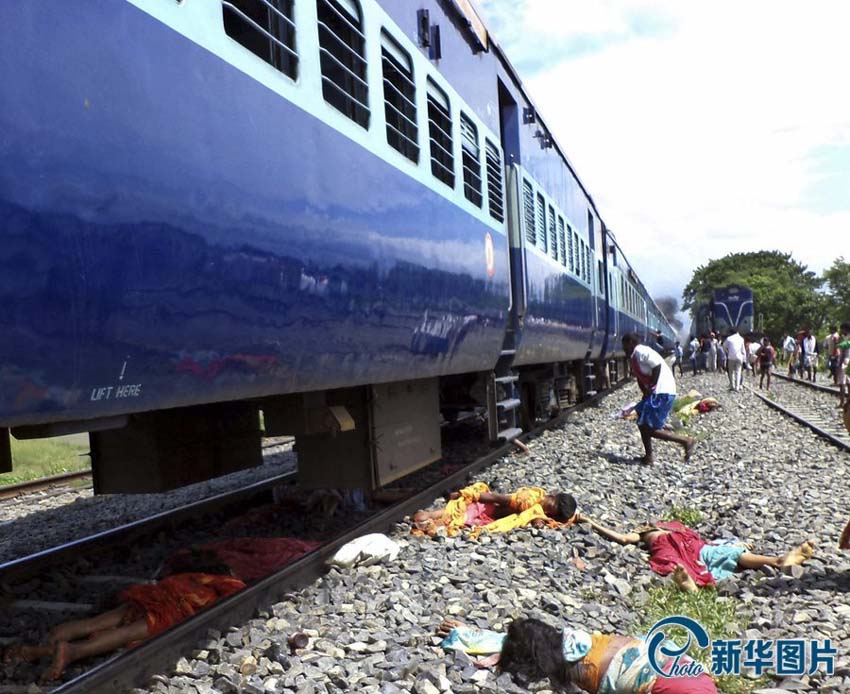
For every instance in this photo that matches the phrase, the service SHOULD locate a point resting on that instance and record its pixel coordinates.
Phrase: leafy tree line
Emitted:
(787, 295)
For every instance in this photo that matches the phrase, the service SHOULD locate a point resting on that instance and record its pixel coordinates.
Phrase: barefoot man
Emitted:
(658, 386)
(676, 549)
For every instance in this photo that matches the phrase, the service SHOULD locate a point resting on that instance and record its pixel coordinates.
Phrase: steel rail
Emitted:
(39, 561)
(808, 384)
(133, 668)
(12, 490)
(841, 443)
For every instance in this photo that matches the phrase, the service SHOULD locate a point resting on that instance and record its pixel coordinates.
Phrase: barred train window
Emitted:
(541, 223)
(528, 208)
(601, 276)
(399, 99)
(440, 133)
(576, 249)
(342, 48)
(562, 244)
(471, 160)
(266, 28)
(495, 195)
(553, 234)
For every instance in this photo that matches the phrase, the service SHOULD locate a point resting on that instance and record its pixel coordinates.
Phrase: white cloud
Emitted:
(699, 129)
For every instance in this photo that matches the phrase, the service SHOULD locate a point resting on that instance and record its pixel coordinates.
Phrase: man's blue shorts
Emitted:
(654, 409)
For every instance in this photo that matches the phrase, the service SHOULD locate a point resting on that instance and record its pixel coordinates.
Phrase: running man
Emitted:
(656, 382)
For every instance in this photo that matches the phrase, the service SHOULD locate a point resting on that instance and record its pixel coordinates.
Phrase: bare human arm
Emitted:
(608, 534)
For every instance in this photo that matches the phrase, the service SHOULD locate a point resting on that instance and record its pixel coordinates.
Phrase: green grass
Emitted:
(684, 514)
(721, 617)
(37, 458)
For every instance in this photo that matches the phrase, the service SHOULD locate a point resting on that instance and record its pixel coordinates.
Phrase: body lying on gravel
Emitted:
(147, 610)
(676, 549)
(478, 508)
(593, 662)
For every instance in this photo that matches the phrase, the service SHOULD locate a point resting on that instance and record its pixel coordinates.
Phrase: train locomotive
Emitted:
(347, 216)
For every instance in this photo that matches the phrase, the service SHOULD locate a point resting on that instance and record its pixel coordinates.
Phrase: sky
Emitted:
(700, 129)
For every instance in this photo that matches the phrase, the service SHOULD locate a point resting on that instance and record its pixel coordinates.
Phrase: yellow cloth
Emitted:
(454, 515)
(526, 497)
(517, 520)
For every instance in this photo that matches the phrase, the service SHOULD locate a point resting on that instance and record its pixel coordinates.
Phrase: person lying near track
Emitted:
(658, 386)
(478, 508)
(676, 549)
(147, 610)
(592, 662)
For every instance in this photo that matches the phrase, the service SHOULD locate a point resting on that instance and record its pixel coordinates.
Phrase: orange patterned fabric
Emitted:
(175, 598)
(526, 497)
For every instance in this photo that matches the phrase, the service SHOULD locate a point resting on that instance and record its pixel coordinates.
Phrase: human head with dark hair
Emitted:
(533, 650)
(560, 507)
(833, 329)
(630, 341)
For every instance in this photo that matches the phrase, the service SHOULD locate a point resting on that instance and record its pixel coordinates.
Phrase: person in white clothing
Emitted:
(712, 353)
(658, 386)
(809, 355)
(735, 358)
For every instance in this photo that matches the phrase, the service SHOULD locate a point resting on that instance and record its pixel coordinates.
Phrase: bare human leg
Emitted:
(65, 653)
(686, 442)
(646, 437)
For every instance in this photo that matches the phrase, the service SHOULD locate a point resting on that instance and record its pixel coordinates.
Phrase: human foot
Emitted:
(19, 652)
(683, 580)
(798, 555)
(689, 448)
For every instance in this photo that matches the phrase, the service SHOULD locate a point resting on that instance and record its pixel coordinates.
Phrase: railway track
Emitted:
(134, 667)
(808, 384)
(14, 490)
(812, 417)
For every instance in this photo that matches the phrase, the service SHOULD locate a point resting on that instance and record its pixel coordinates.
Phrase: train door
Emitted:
(509, 126)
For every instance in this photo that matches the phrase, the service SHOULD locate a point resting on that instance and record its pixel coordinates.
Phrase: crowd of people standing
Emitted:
(737, 354)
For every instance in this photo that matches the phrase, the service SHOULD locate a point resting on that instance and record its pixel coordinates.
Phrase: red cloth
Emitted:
(253, 558)
(644, 379)
(679, 545)
(684, 685)
(478, 514)
(175, 598)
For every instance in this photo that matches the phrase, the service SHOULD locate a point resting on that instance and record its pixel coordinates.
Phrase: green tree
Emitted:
(785, 292)
(837, 279)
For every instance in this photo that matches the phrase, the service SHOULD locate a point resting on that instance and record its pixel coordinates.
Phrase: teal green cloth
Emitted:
(474, 641)
(721, 559)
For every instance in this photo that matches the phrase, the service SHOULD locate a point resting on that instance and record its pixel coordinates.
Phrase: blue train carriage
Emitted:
(212, 209)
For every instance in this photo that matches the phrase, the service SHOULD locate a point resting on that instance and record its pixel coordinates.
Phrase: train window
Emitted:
(528, 210)
(471, 160)
(494, 181)
(571, 249)
(266, 28)
(342, 47)
(440, 133)
(562, 244)
(541, 223)
(589, 265)
(583, 260)
(399, 99)
(601, 276)
(553, 234)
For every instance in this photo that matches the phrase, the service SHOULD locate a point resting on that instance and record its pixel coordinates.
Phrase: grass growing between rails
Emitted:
(722, 617)
(37, 458)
